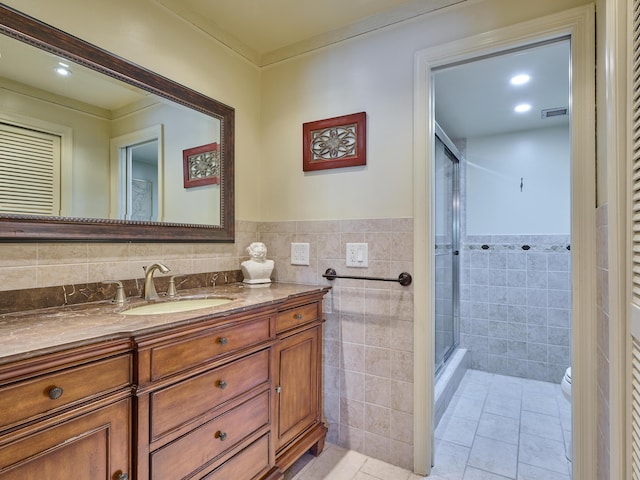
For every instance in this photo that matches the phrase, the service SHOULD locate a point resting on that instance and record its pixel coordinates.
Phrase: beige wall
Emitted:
(372, 73)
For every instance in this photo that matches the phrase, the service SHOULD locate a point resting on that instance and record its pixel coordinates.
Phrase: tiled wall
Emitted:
(603, 341)
(515, 310)
(368, 353)
(368, 356)
(35, 265)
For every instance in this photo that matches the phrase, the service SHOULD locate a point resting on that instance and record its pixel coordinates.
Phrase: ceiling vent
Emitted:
(555, 112)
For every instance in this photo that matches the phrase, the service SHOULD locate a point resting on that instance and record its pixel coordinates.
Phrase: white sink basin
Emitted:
(176, 306)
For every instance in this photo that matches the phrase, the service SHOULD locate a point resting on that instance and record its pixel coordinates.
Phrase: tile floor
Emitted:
(337, 463)
(496, 428)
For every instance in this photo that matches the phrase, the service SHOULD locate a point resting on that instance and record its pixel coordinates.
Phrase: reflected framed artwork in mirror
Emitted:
(201, 165)
(117, 126)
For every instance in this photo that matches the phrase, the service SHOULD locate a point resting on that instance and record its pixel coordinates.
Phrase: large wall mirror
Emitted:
(94, 148)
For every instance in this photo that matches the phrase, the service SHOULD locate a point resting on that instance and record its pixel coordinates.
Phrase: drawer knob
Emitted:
(55, 393)
(222, 384)
(222, 340)
(298, 316)
(123, 476)
(221, 435)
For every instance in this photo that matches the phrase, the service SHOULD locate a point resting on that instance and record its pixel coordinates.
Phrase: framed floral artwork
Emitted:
(335, 142)
(201, 165)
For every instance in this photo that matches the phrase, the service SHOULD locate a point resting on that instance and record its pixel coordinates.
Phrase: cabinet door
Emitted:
(93, 446)
(297, 402)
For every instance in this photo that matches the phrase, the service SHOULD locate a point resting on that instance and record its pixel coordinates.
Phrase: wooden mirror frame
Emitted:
(41, 228)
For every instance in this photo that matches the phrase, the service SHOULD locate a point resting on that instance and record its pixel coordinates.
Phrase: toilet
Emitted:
(565, 385)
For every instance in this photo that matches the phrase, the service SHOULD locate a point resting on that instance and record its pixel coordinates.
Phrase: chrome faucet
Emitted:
(149, 290)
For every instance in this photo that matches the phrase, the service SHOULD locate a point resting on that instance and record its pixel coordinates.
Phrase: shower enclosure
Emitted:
(447, 246)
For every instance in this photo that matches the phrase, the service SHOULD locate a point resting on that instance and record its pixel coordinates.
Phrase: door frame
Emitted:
(616, 55)
(578, 24)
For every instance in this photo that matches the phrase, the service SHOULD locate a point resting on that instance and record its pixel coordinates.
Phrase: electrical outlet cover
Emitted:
(357, 255)
(299, 254)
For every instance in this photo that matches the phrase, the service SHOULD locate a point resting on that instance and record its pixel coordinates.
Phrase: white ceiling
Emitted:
(27, 65)
(266, 31)
(476, 98)
(471, 99)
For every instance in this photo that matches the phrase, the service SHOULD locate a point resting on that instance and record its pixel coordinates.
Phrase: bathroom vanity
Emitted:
(227, 392)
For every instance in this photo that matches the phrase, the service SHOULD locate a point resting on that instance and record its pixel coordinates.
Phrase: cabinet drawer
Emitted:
(296, 316)
(92, 446)
(205, 443)
(187, 353)
(245, 465)
(37, 396)
(178, 404)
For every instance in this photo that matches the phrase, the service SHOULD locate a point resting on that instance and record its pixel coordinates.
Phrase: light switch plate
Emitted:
(358, 255)
(299, 254)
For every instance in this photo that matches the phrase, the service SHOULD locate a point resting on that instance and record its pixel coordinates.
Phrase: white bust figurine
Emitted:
(257, 269)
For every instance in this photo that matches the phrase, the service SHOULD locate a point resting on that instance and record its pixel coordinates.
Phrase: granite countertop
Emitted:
(35, 332)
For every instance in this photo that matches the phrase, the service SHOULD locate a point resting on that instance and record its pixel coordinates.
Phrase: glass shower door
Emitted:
(446, 252)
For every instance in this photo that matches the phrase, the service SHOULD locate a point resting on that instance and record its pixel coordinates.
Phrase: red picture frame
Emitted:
(335, 142)
(201, 165)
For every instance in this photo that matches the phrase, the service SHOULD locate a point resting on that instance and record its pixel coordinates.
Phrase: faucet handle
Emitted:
(120, 298)
(171, 289)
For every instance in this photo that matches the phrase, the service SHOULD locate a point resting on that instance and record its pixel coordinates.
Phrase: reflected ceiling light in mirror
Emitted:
(522, 108)
(62, 69)
(520, 79)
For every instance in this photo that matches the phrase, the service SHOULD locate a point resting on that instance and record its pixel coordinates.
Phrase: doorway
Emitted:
(515, 254)
(137, 172)
(577, 25)
(141, 181)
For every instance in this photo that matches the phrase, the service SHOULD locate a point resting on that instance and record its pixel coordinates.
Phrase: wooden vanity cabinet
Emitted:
(235, 397)
(297, 377)
(67, 415)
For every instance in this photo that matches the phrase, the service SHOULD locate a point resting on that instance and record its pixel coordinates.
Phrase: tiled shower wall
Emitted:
(515, 309)
(368, 354)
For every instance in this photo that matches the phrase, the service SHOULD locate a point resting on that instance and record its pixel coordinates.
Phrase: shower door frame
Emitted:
(455, 245)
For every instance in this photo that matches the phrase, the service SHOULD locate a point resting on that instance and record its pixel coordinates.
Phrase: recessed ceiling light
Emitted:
(522, 108)
(520, 79)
